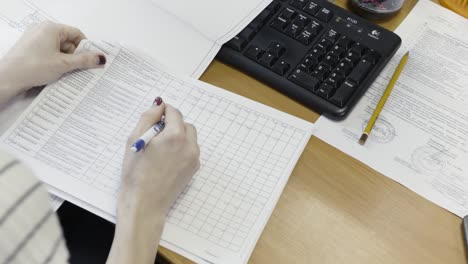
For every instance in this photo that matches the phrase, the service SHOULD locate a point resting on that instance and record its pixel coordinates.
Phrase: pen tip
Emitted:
(134, 149)
(363, 139)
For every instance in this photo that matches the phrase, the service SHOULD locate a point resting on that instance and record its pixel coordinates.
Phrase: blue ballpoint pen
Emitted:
(147, 136)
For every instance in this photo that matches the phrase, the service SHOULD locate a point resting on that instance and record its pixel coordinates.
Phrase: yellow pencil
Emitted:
(382, 101)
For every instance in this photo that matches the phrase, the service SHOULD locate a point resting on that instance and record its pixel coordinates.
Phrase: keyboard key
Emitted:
(292, 30)
(343, 94)
(237, 43)
(260, 20)
(317, 52)
(296, 26)
(256, 25)
(332, 35)
(304, 80)
(352, 56)
(299, 3)
(301, 20)
(247, 34)
(288, 14)
(264, 16)
(254, 53)
(267, 60)
(305, 37)
(280, 67)
(309, 33)
(312, 8)
(334, 79)
(325, 43)
(279, 24)
(312, 60)
(359, 72)
(336, 76)
(344, 42)
(344, 67)
(358, 48)
(337, 50)
(314, 27)
(338, 73)
(320, 48)
(308, 64)
(371, 56)
(330, 61)
(303, 67)
(325, 91)
(273, 7)
(324, 14)
(276, 49)
(320, 72)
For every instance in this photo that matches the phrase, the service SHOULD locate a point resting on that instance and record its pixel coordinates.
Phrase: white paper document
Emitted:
(74, 133)
(185, 36)
(420, 138)
(14, 19)
(187, 46)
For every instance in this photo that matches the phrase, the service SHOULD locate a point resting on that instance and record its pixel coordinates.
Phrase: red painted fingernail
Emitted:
(102, 60)
(158, 101)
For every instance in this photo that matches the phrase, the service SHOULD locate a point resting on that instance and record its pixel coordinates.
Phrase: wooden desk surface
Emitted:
(335, 209)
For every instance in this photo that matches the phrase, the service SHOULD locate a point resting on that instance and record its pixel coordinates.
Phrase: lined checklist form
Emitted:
(248, 150)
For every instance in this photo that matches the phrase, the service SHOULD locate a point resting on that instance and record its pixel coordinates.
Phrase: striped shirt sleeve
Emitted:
(29, 229)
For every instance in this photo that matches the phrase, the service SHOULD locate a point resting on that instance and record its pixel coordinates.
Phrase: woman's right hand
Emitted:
(160, 172)
(151, 181)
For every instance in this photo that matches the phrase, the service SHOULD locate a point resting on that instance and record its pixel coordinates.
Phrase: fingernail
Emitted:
(158, 101)
(102, 60)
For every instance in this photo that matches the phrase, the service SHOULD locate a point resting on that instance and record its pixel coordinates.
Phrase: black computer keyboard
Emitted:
(313, 51)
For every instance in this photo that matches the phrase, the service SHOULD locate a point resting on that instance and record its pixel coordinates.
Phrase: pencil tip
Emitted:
(407, 53)
(363, 139)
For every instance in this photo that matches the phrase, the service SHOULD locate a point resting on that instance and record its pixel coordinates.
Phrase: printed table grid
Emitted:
(243, 154)
(208, 212)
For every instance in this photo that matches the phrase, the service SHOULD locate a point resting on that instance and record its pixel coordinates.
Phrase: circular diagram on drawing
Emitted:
(429, 160)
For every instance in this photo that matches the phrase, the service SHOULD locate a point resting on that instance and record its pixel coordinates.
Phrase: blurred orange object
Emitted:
(457, 6)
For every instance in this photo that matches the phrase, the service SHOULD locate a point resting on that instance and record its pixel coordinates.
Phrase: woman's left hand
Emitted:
(42, 55)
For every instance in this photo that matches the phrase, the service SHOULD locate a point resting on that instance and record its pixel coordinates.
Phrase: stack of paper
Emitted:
(15, 17)
(183, 35)
(248, 150)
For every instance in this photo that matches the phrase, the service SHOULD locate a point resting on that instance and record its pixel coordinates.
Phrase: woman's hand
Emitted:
(159, 173)
(151, 181)
(41, 56)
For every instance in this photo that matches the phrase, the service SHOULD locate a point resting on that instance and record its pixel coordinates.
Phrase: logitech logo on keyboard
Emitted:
(375, 34)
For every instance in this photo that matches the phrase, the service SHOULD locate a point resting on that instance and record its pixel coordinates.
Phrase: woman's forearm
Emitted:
(151, 182)
(9, 83)
(137, 232)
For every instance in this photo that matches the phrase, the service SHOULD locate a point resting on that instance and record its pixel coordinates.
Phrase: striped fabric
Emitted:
(29, 229)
